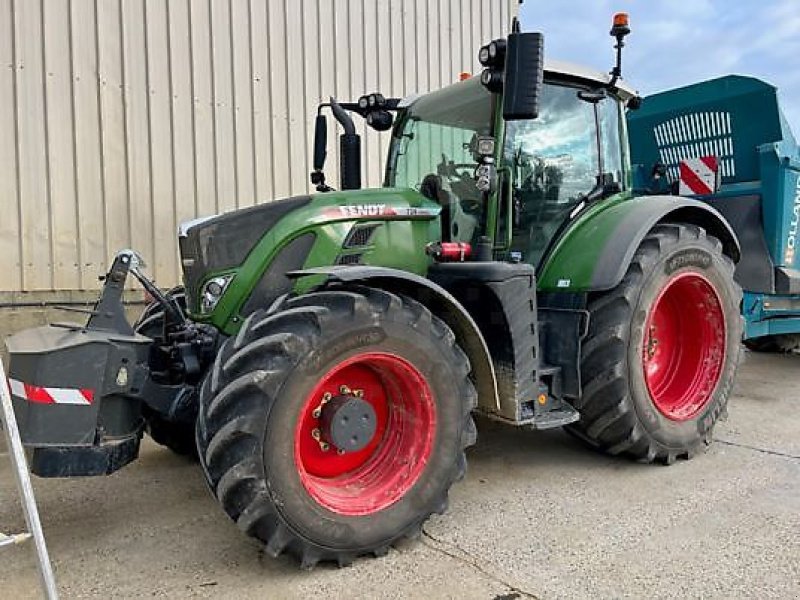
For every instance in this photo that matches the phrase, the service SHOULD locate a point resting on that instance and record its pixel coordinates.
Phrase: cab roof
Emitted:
(556, 68)
(553, 69)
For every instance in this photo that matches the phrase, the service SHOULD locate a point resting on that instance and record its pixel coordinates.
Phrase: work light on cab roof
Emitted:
(620, 28)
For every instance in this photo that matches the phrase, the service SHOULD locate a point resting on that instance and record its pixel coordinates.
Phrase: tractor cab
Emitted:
(511, 156)
(550, 168)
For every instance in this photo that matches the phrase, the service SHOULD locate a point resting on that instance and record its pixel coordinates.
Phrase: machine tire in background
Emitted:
(151, 321)
(662, 350)
(278, 391)
(178, 437)
(783, 343)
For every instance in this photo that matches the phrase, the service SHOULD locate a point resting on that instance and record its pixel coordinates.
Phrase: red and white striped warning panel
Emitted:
(50, 395)
(699, 176)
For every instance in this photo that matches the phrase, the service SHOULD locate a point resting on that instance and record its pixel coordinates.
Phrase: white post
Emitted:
(25, 488)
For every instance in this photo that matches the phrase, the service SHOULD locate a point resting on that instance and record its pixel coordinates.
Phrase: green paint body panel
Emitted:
(571, 263)
(398, 243)
(594, 251)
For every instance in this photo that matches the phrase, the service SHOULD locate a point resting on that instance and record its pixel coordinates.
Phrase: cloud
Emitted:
(677, 43)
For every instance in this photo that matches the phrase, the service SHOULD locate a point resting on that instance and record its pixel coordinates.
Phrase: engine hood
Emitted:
(223, 242)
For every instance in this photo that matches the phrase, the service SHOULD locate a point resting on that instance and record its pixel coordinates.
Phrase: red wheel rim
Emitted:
(371, 479)
(684, 346)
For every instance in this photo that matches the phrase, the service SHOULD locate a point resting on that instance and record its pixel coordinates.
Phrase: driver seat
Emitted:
(433, 189)
(455, 222)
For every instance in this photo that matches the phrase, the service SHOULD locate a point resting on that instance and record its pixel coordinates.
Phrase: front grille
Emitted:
(192, 267)
(360, 235)
(348, 259)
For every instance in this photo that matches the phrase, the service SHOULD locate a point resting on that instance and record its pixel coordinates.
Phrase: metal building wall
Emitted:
(121, 118)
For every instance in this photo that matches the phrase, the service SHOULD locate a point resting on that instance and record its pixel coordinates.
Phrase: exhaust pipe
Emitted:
(350, 146)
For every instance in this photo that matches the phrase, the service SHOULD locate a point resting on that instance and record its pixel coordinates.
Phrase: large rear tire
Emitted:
(273, 434)
(178, 437)
(662, 349)
(784, 343)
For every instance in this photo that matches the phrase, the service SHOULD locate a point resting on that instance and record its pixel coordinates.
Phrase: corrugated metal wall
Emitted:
(121, 118)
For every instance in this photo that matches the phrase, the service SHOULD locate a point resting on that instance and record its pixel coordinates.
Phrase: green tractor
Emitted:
(326, 354)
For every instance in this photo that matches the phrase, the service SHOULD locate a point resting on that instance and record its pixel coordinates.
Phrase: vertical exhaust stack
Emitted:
(350, 146)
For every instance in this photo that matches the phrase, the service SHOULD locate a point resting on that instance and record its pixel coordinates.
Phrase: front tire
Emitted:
(662, 350)
(268, 411)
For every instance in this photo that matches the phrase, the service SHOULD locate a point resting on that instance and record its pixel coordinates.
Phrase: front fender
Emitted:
(593, 254)
(440, 302)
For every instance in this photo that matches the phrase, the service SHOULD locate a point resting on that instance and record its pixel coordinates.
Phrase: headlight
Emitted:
(212, 291)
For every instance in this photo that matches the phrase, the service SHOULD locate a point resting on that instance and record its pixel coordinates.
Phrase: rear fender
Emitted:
(440, 302)
(594, 253)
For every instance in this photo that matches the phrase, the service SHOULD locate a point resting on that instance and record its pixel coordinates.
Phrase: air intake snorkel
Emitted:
(350, 146)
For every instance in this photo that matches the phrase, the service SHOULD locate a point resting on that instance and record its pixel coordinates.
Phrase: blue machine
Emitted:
(738, 121)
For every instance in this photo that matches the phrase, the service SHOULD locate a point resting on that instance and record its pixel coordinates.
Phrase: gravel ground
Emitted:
(538, 516)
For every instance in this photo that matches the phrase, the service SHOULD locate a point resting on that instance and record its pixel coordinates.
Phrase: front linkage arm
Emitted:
(176, 359)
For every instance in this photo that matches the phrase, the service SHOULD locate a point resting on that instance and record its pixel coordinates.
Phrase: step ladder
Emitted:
(23, 479)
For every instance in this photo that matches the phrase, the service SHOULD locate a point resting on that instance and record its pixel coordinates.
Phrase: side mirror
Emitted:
(634, 103)
(524, 76)
(320, 141)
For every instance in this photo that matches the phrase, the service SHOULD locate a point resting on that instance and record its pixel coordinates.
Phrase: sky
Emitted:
(678, 42)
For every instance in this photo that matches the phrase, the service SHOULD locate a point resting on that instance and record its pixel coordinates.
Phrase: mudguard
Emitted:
(441, 303)
(593, 254)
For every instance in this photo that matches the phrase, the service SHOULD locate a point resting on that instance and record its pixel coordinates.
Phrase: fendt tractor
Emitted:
(327, 352)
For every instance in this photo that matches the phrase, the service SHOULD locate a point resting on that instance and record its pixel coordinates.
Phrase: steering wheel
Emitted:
(454, 171)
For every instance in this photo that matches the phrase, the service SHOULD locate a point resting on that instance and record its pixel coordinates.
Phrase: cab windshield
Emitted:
(434, 138)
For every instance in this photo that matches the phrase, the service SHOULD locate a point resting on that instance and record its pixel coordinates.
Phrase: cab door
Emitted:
(569, 154)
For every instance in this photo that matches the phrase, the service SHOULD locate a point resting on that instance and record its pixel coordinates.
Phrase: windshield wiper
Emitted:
(601, 191)
(593, 96)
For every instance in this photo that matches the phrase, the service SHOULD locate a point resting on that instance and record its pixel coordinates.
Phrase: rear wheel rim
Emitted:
(683, 347)
(369, 480)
